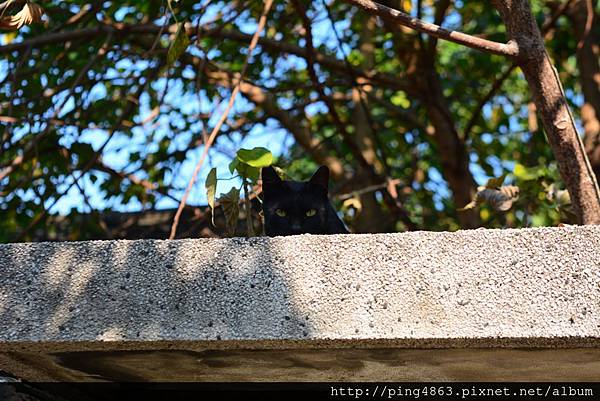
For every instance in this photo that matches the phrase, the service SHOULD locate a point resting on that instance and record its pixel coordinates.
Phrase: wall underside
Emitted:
(471, 305)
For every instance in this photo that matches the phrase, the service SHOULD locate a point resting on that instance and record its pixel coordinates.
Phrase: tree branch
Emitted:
(509, 49)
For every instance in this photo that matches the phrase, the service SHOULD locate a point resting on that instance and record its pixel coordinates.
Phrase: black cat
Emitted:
(297, 207)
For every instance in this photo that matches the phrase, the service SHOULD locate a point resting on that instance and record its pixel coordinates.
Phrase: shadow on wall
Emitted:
(147, 290)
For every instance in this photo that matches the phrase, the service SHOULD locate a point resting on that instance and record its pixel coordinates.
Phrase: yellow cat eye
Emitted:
(280, 212)
(311, 212)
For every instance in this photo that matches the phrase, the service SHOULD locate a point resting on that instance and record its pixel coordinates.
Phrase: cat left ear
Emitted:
(321, 178)
(270, 179)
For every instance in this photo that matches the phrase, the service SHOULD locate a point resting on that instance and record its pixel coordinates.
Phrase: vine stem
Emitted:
(248, 206)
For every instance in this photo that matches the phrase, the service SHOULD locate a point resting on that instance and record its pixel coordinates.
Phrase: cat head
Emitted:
(295, 207)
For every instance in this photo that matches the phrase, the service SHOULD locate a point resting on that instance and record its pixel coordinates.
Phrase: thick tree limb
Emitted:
(454, 160)
(551, 103)
(504, 49)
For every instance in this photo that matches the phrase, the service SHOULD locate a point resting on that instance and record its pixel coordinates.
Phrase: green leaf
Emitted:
(178, 46)
(231, 207)
(521, 172)
(400, 99)
(211, 189)
(249, 172)
(233, 165)
(257, 157)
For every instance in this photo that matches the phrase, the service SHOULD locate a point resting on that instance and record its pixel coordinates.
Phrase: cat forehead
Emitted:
(295, 195)
(296, 186)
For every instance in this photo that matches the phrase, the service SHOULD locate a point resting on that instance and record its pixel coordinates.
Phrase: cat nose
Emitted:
(296, 227)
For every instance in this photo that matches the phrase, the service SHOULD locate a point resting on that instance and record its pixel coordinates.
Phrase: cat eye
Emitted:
(311, 212)
(280, 212)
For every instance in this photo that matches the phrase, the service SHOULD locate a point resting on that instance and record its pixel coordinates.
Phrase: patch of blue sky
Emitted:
(4, 71)
(315, 108)
(438, 186)
(122, 12)
(499, 167)
(121, 146)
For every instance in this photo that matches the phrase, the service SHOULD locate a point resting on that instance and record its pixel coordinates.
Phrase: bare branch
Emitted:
(509, 49)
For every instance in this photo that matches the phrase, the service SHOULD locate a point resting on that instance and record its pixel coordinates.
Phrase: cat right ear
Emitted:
(270, 178)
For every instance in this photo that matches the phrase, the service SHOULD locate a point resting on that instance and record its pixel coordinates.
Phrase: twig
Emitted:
(588, 23)
(261, 24)
(248, 207)
(8, 133)
(341, 126)
(370, 188)
(488, 96)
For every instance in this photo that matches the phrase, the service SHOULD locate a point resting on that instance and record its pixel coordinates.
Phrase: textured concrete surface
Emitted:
(469, 289)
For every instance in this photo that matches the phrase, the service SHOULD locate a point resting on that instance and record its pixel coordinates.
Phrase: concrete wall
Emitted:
(122, 309)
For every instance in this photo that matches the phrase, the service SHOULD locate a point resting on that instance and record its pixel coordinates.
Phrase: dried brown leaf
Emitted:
(29, 14)
(230, 203)
(500, 199)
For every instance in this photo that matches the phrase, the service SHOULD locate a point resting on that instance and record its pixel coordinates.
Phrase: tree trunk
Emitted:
(551, 103)
(451, 149)
(425, 84)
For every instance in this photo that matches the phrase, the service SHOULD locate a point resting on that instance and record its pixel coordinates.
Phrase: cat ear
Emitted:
(270, 178)
(321, 178)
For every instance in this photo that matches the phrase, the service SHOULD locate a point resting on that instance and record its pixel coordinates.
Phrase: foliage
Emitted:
(247, 163)
(111, 118)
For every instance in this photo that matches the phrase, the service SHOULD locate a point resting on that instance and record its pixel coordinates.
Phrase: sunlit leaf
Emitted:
(211, 189)
(523, 173)
(29, 14)
(249, 172)
(353, 202)
(400, 99)
(256, 157)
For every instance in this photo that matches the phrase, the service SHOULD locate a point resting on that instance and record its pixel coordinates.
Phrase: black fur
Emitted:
(294, 201)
